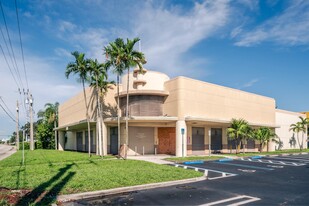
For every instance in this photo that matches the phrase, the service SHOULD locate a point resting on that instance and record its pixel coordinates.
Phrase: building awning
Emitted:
(142, 119)
(75, 126)
(223, 122)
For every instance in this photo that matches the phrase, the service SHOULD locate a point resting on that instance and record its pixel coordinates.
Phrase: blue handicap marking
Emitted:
(225, 160)
(193, 162)
(256, 157)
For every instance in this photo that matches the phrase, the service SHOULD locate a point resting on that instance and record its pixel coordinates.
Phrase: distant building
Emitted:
(179, 116)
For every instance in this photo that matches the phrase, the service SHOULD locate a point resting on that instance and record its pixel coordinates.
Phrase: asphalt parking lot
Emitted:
(275, 180)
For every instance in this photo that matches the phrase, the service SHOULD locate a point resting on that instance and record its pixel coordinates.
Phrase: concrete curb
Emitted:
(100, 193)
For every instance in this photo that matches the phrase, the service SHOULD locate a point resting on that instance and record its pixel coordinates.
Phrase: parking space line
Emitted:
(266, 161)
(248, 166)
(225, 201)
(224, 174)
(294, 159)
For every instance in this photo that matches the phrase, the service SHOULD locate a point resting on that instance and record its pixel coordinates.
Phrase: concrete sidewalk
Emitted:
(6, 151)
(158, 159)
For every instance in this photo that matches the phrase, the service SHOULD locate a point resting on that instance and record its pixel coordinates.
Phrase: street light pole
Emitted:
(17, 126)
(31, 123)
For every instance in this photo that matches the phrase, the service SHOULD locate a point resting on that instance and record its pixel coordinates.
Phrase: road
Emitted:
(6, 151)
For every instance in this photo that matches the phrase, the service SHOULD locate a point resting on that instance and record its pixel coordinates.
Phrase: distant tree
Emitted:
(298, 127)
(304, 122)
(237, 131)
(264, 135)
(49, 115)
(81, 67)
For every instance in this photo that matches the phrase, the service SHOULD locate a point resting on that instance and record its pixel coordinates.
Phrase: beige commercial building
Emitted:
(179, 116)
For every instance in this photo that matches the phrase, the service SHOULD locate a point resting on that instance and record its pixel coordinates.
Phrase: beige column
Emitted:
(104, 137)
(181, 146)
(207, 138)
(61, 141)
(224, 140)
(156, 139)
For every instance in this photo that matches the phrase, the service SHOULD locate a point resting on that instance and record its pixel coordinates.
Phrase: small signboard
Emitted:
(182, 131)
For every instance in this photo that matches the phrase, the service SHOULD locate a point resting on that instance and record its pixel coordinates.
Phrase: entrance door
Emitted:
(216, 139)
(79, 141)
(114, 140)
(167, 140)
(198, 139)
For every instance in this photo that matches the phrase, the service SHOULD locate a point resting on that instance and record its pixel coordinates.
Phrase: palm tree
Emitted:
(51, 111)
(248, 134)
(123, 56)
(297, 128)
(99, 81)
(237, 131)
(114, 51)
(81, 67)
(264, 135)
(304, 122)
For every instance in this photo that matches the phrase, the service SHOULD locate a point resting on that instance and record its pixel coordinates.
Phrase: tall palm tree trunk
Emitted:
(98, 136)
(127, 115)
(88, 119)
(118, 114)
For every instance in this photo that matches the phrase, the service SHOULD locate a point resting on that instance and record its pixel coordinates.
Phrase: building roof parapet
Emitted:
(143, 92)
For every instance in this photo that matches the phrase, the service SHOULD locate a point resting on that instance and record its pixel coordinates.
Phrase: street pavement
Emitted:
(273, 180)
(6, 151)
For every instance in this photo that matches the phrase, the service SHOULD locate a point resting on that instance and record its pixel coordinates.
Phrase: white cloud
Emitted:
(289, 28)
(66, 26)
(250, 83)
(168, 34)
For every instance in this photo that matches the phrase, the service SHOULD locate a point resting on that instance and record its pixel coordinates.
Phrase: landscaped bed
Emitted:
(47, 173)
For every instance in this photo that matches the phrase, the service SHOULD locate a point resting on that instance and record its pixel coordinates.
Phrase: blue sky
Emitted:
(256, 46)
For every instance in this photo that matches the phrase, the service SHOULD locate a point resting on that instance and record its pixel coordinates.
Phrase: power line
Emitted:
(9, 67)
(10, 42)
(7, 113)
(11, 113)
(21, 45)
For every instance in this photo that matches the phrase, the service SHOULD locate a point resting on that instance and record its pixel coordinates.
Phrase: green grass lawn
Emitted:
(52, 172)
(193, 158)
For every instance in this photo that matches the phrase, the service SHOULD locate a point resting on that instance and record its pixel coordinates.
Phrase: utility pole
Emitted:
(31, 123)
(17, 125)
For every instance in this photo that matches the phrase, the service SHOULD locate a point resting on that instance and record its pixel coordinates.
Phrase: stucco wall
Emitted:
(153, 81)
(189, 97)
(284, 119)
(74, 109)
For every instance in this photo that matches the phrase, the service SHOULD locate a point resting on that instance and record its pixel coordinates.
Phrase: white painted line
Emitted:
(251, 199)
(214, 178)
(280, 163)
(259, 160)
(287, 158)
(250, 160)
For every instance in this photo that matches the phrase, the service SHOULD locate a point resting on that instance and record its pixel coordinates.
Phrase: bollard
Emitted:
(206, 173)
(143, 150)
(196, 169)
(155, 151)
(185, 167)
